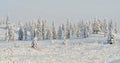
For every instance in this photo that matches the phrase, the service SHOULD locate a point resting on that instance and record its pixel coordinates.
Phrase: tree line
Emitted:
(68, 30)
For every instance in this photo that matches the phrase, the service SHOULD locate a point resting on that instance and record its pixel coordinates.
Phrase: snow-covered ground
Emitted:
(88, 50)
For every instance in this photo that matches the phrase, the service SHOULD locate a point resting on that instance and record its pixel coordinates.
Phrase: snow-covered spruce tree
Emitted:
(33, 29)
(111, 35)
(11, 33)
(51, 36)
(35, 43)
(53, 31)
(78, 33)
(39, 29)
(79, 28)
(75, 28)
(64, 37)
(21, 32)
(71, 30)
(7, 22)
(85, 31)
(100, 25)
(96, 27)
(90, 27)
(25, 32)
(60, 32)
(82, 31)
(48, 35)
(44, 27)
(105, 27)
(80, 24)
(68, 33)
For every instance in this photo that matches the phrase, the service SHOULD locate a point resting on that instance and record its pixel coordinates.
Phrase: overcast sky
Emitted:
(59, 10)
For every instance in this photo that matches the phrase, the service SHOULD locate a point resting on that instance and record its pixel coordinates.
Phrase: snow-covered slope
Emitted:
(75, 52)
(89, 50)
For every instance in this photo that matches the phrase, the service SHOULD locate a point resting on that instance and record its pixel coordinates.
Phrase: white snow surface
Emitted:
(88, 50)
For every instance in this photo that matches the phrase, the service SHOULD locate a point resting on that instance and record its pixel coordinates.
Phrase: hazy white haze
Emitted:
(59, 10)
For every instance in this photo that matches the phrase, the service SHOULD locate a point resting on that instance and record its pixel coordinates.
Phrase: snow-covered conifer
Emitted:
(7, 22)
(60, 32)
(64, 37)
(11, 33)
(96, 27)
(71, 30)
(53, 31)
(85, 30)
(44, 29)
(25, 32)
(111, 35)
(100, 23)
(105, 27)
(33, 29)
(68, 31)
(39, 29)
(21, 32)
(48, 35)
(78, 33)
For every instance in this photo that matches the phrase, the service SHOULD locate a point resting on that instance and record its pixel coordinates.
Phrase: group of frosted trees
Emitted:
(68, 30)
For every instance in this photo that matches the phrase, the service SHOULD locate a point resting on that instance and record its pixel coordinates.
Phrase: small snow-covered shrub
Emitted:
(34, 43)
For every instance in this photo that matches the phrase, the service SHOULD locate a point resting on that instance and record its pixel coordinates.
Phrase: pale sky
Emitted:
(59, 10)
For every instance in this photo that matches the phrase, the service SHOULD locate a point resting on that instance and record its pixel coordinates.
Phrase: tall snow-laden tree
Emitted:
(7, 22)
(33, 29)
(79, 28)
(90, 27)
(86, 30)
(53, 31)
(72, 30)
(68, 34)
(49, 35)
(111, 35)
(96, 27)
(39, 29)
(111, 27)
(43, 30)
(77, 31)
(100, 25)
(68, 31)
(21, 32)
(105, 27)
(64, 37)
(11, 33)
(60, 32)
(25, 31)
